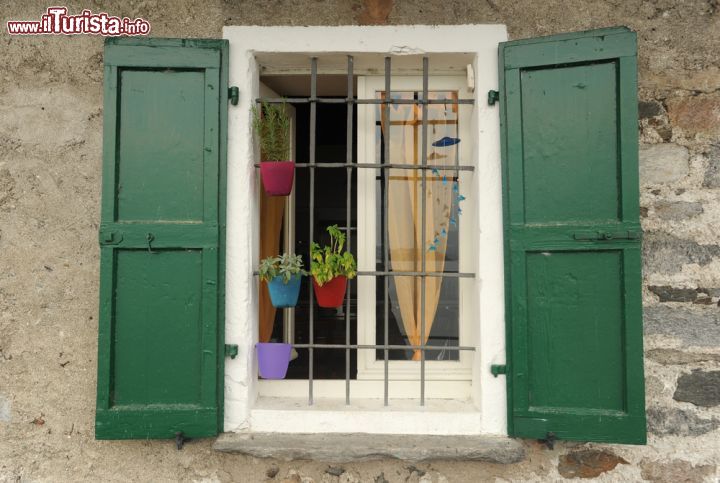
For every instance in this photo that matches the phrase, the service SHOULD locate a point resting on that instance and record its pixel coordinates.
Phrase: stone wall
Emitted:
(50, 157)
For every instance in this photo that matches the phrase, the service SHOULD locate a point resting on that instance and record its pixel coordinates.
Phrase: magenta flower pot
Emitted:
(273, 359)
(277, 177)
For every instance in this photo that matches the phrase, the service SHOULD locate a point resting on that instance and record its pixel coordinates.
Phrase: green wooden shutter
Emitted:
(572, 235)
(160, 358)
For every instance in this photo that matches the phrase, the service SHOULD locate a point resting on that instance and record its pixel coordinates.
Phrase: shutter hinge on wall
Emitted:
(234, 95)
(497, 369)
(549, 440)
(180, 440)
(231, 351)
(493, 97)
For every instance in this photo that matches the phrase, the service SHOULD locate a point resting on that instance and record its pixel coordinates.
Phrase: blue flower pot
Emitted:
(284, 295)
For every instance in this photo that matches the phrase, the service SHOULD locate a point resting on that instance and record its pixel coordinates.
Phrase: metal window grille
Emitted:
(387, 101)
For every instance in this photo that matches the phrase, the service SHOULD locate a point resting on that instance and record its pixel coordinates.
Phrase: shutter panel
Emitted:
(572, 234)
(160, 361)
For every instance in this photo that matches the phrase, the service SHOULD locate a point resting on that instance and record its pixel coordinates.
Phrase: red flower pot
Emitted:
(332, 293)
(277, 177)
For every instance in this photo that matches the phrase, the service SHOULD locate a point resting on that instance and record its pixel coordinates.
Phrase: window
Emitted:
(472, 403)
(378, 196)
(566, 268)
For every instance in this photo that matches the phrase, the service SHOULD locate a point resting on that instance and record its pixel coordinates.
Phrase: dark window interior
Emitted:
(330, 208)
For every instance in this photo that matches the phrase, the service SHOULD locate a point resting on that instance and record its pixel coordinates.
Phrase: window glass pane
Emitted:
(407, 244)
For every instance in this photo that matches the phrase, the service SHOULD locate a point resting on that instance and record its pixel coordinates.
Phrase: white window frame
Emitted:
(487, 395)
(369, 367)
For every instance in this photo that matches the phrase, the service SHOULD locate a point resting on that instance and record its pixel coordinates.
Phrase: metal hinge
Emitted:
(231, 351)
(110, 237)
(498, 369)
(493, 97)
(234, 95)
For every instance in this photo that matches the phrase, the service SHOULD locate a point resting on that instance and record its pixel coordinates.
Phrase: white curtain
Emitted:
(406, 241)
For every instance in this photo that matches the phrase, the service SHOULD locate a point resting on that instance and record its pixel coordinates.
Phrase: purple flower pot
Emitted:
(273, 359)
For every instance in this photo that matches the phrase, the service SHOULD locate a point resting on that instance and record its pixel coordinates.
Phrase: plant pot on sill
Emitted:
(284, 295)
(273, 359)
(332, 293)
(277, 177)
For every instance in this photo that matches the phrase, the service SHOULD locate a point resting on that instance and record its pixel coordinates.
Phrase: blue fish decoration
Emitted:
(453, 222)
(444, 179)
(432, 248)
(461, 198)
(446, 141)
(456, 188)
(443, 232)
(435, 171)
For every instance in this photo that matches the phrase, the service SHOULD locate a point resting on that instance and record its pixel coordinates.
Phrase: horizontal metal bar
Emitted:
(342, 100)
(439, 167)
(380, 346)
(371, 273)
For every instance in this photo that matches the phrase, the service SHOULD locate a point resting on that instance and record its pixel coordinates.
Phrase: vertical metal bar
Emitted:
(422, 235)
(348, 215)
(313, 119)
(386, 264)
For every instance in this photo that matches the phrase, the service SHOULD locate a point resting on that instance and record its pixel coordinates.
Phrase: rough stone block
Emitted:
(588, 463)
(696, 114)
(678, 422)
(663, 163)
(712, 173)
(649, 109)
(679, 357)
(701, 388)
(678, 210)
(376, 12)
(665, 253)
(674, 471)
(667, 293)
(697, 325)
(700, 295)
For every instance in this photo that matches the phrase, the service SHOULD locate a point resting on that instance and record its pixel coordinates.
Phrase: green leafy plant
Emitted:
(286, 266)
(272, 125)
(329, 261)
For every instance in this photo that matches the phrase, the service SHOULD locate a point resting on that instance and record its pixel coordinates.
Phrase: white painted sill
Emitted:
(402, 416)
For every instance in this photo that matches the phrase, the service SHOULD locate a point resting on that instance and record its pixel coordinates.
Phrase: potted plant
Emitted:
(331, 268)
(271, 123)
(283, 275)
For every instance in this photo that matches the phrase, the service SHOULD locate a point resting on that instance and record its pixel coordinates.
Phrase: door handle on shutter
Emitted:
(150, 237)
(604, 235)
